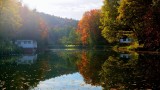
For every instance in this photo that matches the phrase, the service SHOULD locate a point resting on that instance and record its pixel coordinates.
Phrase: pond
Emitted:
(60, 69)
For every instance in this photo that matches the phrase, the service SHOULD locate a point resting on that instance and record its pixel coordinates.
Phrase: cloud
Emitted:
(64, 8)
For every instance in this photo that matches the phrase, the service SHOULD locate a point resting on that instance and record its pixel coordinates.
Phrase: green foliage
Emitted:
(131, 15)
(108, 19)
(141, 17)
(8, 48)
(64, 35)
(72, 38)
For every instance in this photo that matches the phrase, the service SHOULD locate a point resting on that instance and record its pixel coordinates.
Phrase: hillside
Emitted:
(45, 28)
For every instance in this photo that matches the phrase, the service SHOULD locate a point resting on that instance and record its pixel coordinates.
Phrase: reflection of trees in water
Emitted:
(62, 62)
(142, 73)
(25, 76)
(21, 76)
(137, 72)
(149, 69)
(115, 72)
(90, 66)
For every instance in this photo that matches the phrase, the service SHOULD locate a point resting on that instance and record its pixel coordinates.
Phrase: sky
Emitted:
(64, 8)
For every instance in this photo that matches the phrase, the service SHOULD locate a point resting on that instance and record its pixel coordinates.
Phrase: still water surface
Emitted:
(80, 70)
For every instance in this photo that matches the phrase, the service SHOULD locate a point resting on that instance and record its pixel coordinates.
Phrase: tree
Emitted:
(88, 27)
(108, 19)
(9, 18)
(72, 38)
(152, 27)
(141, 17)
(9, 23)
(33, 27)
(30, 28)
(131, 13)
(43, 31)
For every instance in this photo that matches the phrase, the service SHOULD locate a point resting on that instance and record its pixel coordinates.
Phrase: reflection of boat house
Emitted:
(27, 59)
(27, 45)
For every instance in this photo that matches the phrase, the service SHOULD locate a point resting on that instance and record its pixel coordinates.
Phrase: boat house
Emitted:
(27, 45)
(125, 40)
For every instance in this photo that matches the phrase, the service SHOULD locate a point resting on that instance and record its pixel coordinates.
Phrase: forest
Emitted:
(138, 20)
(135, 19)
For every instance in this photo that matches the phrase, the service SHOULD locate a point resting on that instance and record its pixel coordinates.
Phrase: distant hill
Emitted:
(56, 22)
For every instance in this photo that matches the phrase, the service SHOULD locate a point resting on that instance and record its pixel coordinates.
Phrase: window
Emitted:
(25, 42)
(29, 42)
(124, 39)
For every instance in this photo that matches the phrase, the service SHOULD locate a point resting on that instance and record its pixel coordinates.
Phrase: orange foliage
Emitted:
(88, 70)
(84, 61)
(89, 24)
(83, 66)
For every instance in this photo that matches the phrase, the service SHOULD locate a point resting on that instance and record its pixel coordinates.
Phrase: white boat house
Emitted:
(125, 40)
(27, 45)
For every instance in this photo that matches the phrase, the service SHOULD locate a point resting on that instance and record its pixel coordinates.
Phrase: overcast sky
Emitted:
(64, 8)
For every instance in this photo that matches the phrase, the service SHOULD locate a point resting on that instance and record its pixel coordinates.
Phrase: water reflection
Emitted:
(90, 66)
(80, 69)
(27, 59)
(25, 72)
(66, 82)
(116, 72)
(121, 71)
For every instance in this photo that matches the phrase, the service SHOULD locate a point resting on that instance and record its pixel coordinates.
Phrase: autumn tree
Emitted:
(110, 25)
(43, 32)
(88, 27)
